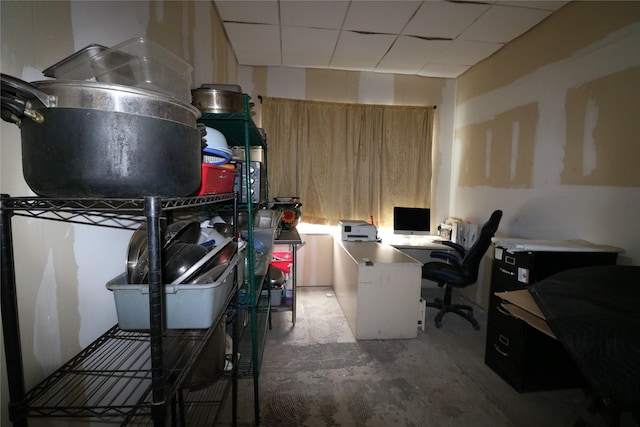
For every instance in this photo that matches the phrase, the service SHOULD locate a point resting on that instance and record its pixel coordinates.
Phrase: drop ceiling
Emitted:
(433, 38)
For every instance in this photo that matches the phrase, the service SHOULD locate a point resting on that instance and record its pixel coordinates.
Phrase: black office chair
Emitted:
(459, 271)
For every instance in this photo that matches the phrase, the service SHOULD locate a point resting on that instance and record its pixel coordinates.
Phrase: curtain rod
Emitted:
(260, 99)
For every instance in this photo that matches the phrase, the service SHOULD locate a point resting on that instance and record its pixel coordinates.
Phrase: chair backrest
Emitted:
(472, 258)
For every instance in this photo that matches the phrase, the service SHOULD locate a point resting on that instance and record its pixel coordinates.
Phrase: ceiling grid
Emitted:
(432, 38)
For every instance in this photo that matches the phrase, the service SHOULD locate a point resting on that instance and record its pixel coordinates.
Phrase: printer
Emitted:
(358, 231)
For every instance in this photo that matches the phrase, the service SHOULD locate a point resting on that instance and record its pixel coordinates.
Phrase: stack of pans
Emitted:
(184, 260)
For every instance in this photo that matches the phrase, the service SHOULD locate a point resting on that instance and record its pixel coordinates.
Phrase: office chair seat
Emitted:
(459, 270)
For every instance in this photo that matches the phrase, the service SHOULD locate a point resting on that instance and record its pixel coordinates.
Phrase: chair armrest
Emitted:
(446, 256)
(458, 248)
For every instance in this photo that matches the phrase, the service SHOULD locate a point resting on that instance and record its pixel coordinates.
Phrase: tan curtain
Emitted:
(348, 161)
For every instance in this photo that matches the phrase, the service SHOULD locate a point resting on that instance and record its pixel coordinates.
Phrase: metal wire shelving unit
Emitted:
(132, 377)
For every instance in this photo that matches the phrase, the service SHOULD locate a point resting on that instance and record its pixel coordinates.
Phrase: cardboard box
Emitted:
(521, 305)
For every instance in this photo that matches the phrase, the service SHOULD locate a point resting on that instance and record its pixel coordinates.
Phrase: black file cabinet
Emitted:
(524, 357)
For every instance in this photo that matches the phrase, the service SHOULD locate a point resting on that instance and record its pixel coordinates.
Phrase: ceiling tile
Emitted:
(257, 38)
(258, 58)
(314, 14)
(535, 4)
(409, 54)
(308, 47)
(443, 19)
(363, 46)
(263, 12)
(363, 51)
(387, 17)
(309, 40)
(351, 64)
(464, 52)
(437, 38)
(443, 70)
(305, 60)
(503, 23)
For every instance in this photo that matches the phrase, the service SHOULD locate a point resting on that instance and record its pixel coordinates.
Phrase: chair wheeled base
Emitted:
(445, 306)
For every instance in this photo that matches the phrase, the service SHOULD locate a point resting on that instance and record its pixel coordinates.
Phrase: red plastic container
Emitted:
(283, 261)
(216, 179)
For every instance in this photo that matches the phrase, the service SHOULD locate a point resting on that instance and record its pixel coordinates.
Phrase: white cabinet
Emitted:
(378, 288)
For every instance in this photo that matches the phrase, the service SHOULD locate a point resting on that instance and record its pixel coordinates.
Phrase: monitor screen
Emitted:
(416, 221)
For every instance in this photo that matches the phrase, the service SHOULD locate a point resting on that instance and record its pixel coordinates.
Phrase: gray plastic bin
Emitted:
(186, 306)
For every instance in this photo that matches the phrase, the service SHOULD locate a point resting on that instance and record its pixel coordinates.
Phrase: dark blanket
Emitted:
(595, 313)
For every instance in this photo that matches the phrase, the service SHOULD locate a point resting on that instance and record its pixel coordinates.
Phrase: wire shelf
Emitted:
(111, 378)
(114, 213)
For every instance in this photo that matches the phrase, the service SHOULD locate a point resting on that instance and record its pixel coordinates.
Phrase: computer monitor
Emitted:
(411, 221)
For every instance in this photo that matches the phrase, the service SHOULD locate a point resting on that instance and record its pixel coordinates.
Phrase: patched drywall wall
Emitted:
(575, 25)
(505, 143)
(574, 80)
(603, 132)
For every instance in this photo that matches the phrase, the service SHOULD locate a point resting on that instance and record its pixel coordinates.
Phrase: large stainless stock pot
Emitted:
(88, 139)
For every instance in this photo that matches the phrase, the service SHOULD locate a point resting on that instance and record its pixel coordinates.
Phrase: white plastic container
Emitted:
(276, 295)
(187, 306)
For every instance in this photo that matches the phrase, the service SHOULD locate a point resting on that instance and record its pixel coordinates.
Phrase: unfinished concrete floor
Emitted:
(316, 374)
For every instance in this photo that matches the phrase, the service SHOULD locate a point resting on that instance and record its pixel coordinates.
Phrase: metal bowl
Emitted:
(184, 231)
(180, 256)
(217, 101)
(137, 245)
(276, 276)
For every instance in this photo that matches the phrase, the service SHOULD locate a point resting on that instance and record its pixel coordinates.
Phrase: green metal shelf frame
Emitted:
(240, 130)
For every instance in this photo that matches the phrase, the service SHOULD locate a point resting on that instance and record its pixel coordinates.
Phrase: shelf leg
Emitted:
(10, 322)
(294, 249)
(152, 210)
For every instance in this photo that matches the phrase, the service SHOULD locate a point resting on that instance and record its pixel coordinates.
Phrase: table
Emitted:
(378, 288)
(420, 249)
(291, 238)
(416, 242)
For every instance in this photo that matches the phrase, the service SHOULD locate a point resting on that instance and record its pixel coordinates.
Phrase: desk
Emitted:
(378, 288)
(291, 238)
(419, 248)
(414, 242)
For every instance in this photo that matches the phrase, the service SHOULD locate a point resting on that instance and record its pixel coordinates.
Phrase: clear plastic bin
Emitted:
(263, 249)
(144, 64)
